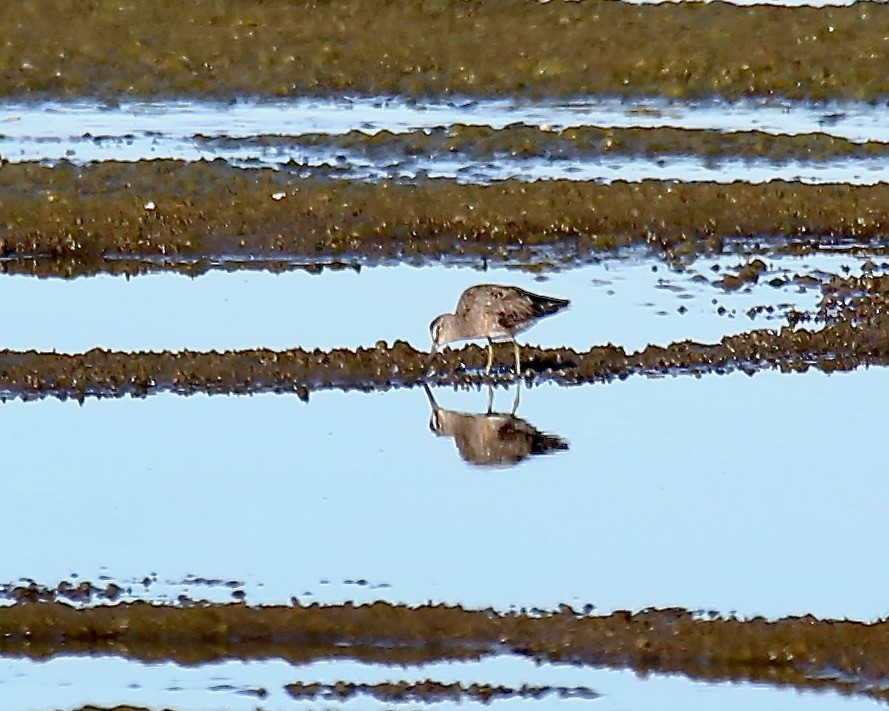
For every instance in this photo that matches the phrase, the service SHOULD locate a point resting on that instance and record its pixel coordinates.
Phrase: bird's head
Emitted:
(443, 331)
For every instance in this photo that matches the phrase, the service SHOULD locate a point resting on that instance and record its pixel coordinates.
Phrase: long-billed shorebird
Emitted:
(494, 312)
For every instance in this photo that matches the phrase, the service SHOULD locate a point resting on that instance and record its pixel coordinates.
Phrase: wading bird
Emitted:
(493, 312)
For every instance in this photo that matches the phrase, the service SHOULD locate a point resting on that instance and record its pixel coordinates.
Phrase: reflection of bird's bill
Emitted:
(434, 423)
(429, 395)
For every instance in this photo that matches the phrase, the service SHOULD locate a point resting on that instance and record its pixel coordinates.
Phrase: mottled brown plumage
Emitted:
(493, 311)
(491, 438)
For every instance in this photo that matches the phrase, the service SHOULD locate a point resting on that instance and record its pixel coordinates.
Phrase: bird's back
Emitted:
(496, 309)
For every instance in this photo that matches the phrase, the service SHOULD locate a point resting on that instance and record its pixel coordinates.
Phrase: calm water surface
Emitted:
(630, 302)
(759, 495)
(68, 682)
(51, 121)
(747, 496)
(87, 131)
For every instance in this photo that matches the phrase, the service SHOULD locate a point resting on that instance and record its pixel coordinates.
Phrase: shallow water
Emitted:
(59, 121)
(351, 497)
(86, 131)
(347, 165)
(742, 495)
(67, 682)
(628, 301)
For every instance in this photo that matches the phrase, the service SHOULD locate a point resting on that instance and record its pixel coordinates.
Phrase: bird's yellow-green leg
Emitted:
(518, 364)
(490, 356)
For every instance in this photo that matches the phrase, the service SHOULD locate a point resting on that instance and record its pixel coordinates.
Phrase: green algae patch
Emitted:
(278, 48)
(175, 212)
(801, 652)
(839, 346)
(524, 141)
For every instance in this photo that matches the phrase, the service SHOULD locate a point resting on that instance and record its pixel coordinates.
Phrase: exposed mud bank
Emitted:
(515, 47)
(803, 652)
(856, 300)
(433, 691)
(480, 143)
(29, 375)
(171, 210)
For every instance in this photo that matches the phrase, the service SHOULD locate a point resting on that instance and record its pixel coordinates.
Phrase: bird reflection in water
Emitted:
(491, 439)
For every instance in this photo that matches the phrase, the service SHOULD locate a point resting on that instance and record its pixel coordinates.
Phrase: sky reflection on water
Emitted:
(629, 302)
(755, 495)
(68, 682)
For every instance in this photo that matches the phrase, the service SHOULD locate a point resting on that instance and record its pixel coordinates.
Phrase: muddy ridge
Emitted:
(855, 300)
(838, 346)
(431, 691)
(802, 652)
(523, 141)
(172, 210)
(63, 48)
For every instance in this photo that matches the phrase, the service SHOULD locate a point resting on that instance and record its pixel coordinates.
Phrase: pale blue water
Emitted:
(51, 121)
(754, 495)
(69, 682)
(742, 495)
(630, 302)
(83, 132)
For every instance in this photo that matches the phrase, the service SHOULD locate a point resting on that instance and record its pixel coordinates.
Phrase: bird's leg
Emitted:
(518, 396)
(490, 356)
(490, 399)
(518, 364)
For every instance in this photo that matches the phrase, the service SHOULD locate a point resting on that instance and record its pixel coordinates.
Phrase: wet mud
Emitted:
(67, 219)
(518, 141)
(801, 652)
(856, 300)
(431, 691)
(839, 346)
(66, 48)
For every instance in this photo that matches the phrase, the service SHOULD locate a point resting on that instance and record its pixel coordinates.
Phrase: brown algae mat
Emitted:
(172, 210)
(523, 141)
(855, 300)
(837, 347)
(431, 691)
(512, 47)
(802, 652)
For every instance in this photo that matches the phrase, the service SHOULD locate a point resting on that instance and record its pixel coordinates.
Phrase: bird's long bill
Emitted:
(432, 352)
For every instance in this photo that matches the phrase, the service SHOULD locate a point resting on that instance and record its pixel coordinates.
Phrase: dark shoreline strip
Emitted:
(31, 375)
(63, 48)
(431, 691)
(522, 141)
(801, 652)
(173, 209)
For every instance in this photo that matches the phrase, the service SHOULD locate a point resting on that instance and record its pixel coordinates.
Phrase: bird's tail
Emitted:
(545, 443)
(550, 305)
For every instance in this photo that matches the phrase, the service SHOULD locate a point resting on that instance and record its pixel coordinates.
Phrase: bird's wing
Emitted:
(512, 312)
(508, 307)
